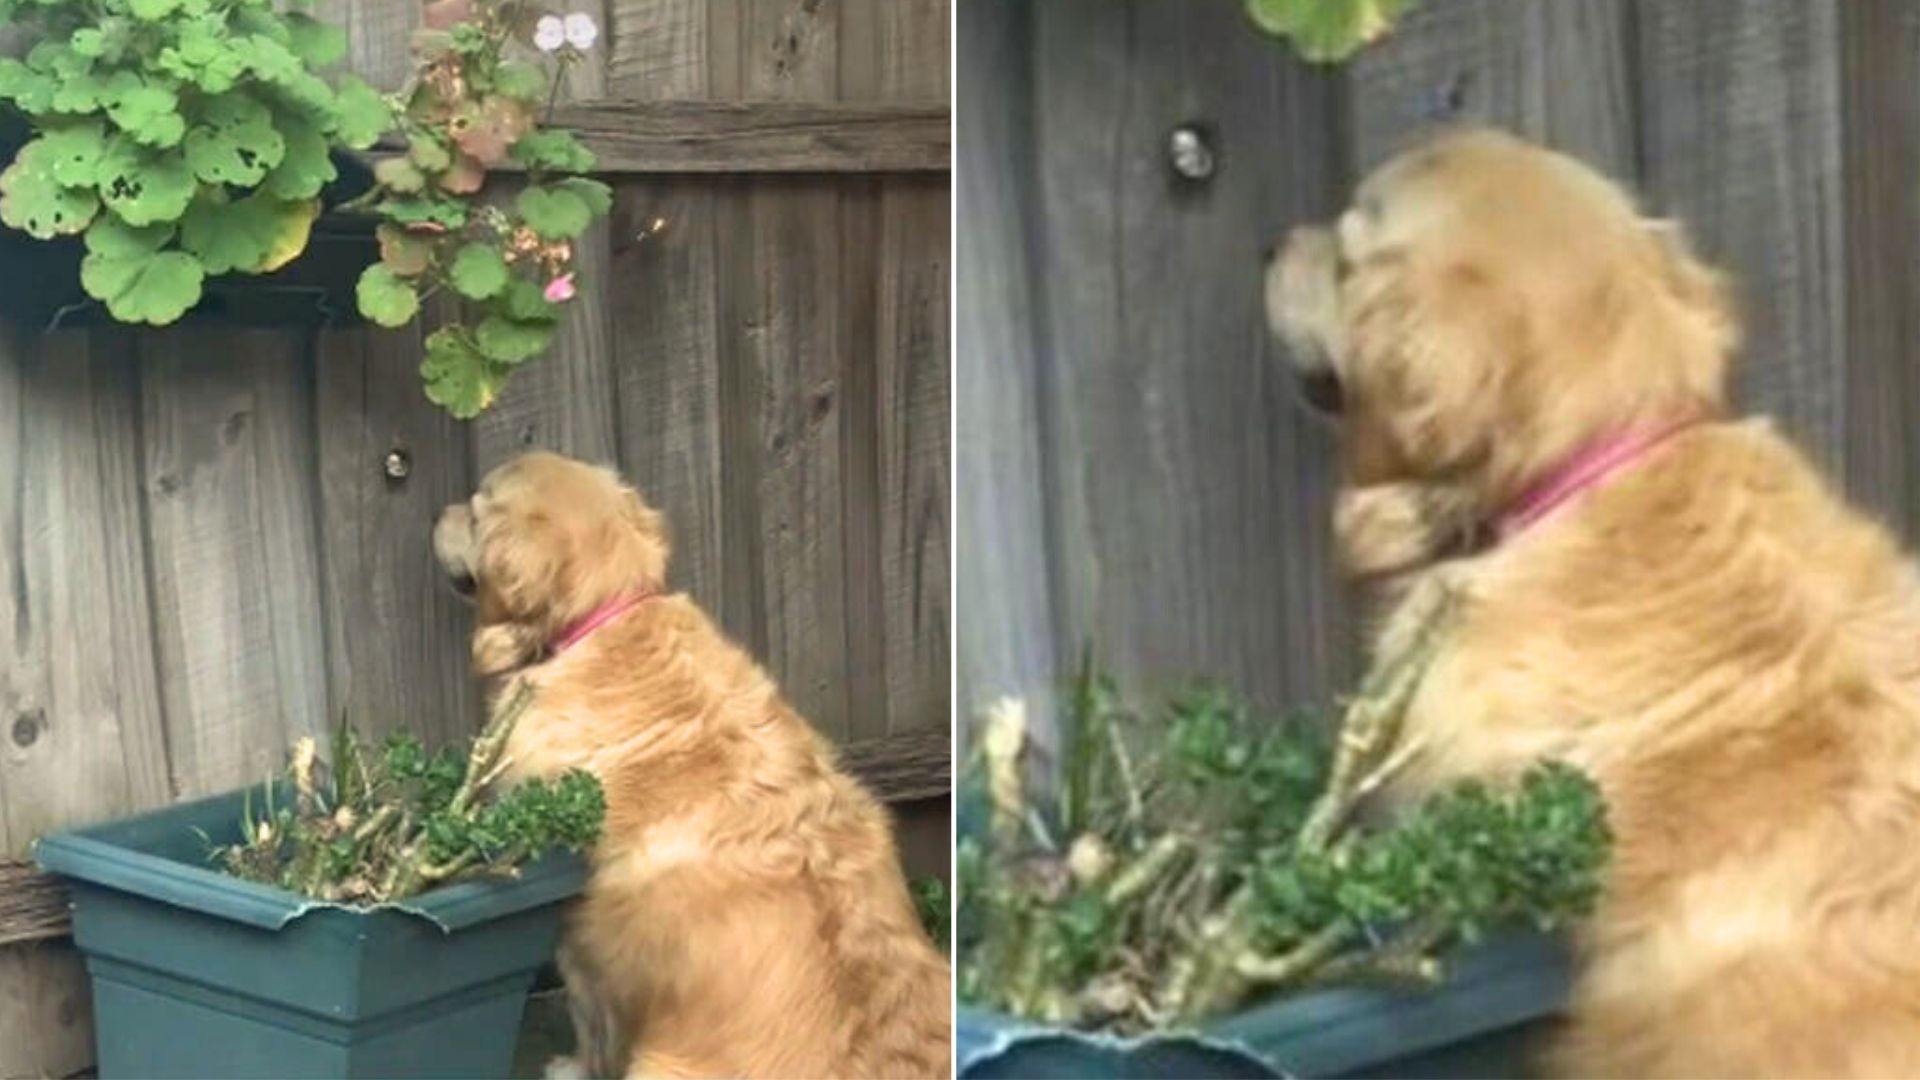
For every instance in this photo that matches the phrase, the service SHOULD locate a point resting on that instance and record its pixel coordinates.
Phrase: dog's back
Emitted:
(747, 915)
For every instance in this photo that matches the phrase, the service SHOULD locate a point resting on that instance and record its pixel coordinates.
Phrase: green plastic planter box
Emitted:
(199, 974)
(1479, 1023)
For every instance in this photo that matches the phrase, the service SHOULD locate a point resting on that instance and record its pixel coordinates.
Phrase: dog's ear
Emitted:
(521, 562)
(1708, 310)
(655, 546)
(1428, 349)
(520, 567)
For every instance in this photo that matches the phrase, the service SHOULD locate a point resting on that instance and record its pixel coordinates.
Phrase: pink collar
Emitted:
(612, 609)
(1588, 466)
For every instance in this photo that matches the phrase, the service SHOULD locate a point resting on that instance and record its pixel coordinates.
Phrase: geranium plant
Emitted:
(1327, 31)
(183, 139)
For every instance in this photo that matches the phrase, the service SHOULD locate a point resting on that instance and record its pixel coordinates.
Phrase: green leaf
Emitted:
(114, 238)
(145, 186)
(235, 142)
(1327, 31)
(57, 58)
(147, 111)
(84, 93)
(400, 175)
(88, 41)
(556, 149)
(361, 114)
(268, 59)
(447, 212)
(152, 10)
(32, 92)
(33, 200)
(554, 212)
(511, 342)
(597, 196)
(307, 93)
(428, 153)
(74, 152)
(478, 272)
(524, 81)
(318, 43)
(384, 298)
(406, 254)
(306, 167)
(458, 378)
(526, 302)
(250, 235)
(137, 282)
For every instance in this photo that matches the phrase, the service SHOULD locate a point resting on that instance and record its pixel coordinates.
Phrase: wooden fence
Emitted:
(205, 551)
(1133, 469)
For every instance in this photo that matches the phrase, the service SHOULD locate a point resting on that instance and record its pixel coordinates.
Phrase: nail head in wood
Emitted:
(1190, 152)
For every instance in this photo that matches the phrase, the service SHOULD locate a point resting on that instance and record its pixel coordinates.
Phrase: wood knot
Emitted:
(27, 727)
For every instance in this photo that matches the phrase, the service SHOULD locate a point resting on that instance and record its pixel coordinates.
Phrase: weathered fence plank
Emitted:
(1880, 200)
(1188, 492)
(659, 49)
(1559, 73)
(230, 534)
(395, 641)
(667, 378)
(1744, 147)
(903, 58)
(1004, 629)
(782, 371)
(757, 136)
(82, 737)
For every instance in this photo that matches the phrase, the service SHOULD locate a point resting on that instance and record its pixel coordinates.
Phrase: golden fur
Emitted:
(747, 914)
(1725, 645)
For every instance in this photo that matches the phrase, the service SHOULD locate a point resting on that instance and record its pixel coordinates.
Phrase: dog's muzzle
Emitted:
(1303, 306)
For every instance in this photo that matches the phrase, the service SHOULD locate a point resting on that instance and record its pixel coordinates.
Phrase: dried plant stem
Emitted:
(485, 761)
(1406, 960)
(1297, 963)
(1371, 724)
(1144, 871)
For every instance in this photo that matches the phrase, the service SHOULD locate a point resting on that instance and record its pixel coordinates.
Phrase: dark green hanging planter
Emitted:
(198, 974)
(1479, 1023)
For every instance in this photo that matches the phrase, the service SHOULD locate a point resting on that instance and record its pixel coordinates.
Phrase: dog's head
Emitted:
(544, 541)
(1486, 306)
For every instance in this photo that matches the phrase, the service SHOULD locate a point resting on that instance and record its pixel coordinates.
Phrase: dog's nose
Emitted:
(1273, 249)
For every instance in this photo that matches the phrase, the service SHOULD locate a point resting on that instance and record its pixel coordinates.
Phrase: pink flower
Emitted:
(560, 289)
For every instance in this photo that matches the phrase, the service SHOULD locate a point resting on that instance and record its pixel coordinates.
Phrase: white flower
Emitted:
(549, 33)
(581, 33)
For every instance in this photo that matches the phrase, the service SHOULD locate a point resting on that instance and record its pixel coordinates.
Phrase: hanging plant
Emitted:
(1327, 31)
(183, 139)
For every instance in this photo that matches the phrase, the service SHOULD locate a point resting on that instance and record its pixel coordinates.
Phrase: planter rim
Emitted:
(1513, 977)
(110, 855)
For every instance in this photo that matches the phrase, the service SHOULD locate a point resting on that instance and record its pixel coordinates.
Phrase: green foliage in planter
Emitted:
(381, 824)
(1327, 31)
(936, 910)
(191, 138)
(1176, 874)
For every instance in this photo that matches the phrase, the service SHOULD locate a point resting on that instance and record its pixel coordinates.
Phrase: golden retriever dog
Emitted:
(1530, 381)
(746, 914)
